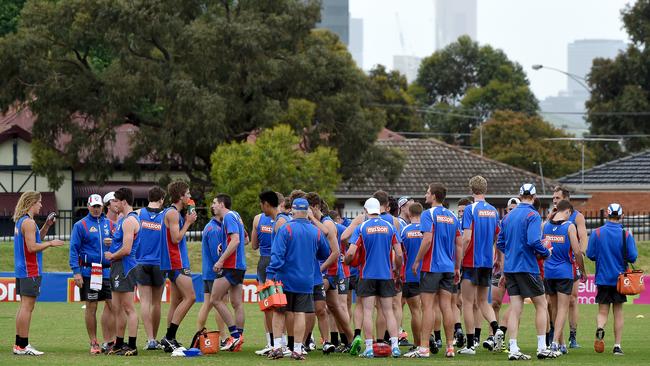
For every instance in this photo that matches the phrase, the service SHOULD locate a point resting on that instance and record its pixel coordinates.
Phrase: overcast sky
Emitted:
(530, 32)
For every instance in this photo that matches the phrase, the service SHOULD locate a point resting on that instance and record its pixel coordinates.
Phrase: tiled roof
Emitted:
(630, 170)
(431, 160)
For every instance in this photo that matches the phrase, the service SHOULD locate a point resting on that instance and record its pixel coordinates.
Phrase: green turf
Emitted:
(56, 259)
(58, 330)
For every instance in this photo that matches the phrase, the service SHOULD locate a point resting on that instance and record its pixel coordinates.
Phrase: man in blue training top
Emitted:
(611, 247)
(87, 247)
(376, 241)
(480, 229)
(293, 250)
(520, 240)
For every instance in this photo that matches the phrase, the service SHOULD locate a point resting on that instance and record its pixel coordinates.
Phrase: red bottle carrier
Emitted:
(271, 295)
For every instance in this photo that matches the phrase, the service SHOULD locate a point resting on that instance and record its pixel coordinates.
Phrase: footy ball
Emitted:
(381, 349)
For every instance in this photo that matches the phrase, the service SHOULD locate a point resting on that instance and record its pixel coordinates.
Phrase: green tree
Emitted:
(9, 15)
(465, 82)
(390, 92)
(275, 161)
(519, 140)
(621, 85)
(188, 75)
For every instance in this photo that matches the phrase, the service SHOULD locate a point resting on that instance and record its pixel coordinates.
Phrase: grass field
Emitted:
(58, 330)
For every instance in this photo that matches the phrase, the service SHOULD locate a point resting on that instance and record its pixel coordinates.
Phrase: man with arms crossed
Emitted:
(87, 247)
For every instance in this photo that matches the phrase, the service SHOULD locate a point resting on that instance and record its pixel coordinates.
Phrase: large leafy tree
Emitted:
(521, 140)
(465, 82)
(621, 89)
(9, 15)
(390, 91)
(276, 161)
(188, 75)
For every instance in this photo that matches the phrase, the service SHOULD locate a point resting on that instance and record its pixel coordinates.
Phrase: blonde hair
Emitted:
(478, 185)
(25, 202)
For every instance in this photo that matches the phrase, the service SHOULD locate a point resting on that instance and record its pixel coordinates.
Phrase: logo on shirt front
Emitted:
(266, 229)
(151, 225)
(487, 213)
(93, 229)
(555, 238)
(444, 219)
(377, 230)
(414, 234)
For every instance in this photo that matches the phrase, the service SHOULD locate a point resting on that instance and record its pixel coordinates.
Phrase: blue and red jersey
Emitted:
(560, 264)
(520, 239)
(87, 245)
(444, 228)
(264, 231)
(232, 224)
(342, 248)
(335, 269)
(294, 246)
(173, 255)
(212, 246)
(483, 220)
(151, 236)
(26, 264)
(412, 239)
(128, 261)
(376, 238)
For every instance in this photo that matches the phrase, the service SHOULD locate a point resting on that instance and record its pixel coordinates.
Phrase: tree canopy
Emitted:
(390, 91)
(275, 161)
(520, 140)
(621, 89)
(188, 75)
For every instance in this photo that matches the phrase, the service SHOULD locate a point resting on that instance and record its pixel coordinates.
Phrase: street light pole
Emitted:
(541, 173)
(578, 79)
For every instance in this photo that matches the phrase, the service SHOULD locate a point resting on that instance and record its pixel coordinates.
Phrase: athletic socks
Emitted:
(514, 348)
(470, 340)
(368, 344)
(234, 332)
(394, 342)
(132, 342)
(495, 326)
(541, 342)
(277, 343)
(548, 339)
(573, 333)
(344, 339)
(458, 326)
(357, 332)
(21, 342)
(334, 338)
(241, 331)
(290, 342)
(119, 342)
(504, 329)
(171, 331)
(477, 333)
(386, 336)
(269, 339)
(297, 348)
(308, 338)
(436, 335)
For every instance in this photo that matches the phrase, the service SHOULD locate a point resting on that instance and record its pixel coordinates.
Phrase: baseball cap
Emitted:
(514, 200)
(402, 201)
(95, 200)
(528, 189)
(614, 209)
(108, 197)
(300, 204)
(372, 206)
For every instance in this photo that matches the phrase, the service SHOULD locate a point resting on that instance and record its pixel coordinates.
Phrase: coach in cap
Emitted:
(91, 270)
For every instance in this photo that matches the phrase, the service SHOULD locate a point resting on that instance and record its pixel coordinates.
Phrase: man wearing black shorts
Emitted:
(87, 246)
(520, 241)
(294, 246)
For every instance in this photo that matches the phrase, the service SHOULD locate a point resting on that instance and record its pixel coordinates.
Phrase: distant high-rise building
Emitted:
(454, 18)
(580, 55)
(335, 16)
(407, 65)
(356, 40)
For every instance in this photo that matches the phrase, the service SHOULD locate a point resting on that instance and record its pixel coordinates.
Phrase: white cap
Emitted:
(527, 189)
(372, 206)
(614, 209)
(95, 200)
(108, 197)
(514, 200)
